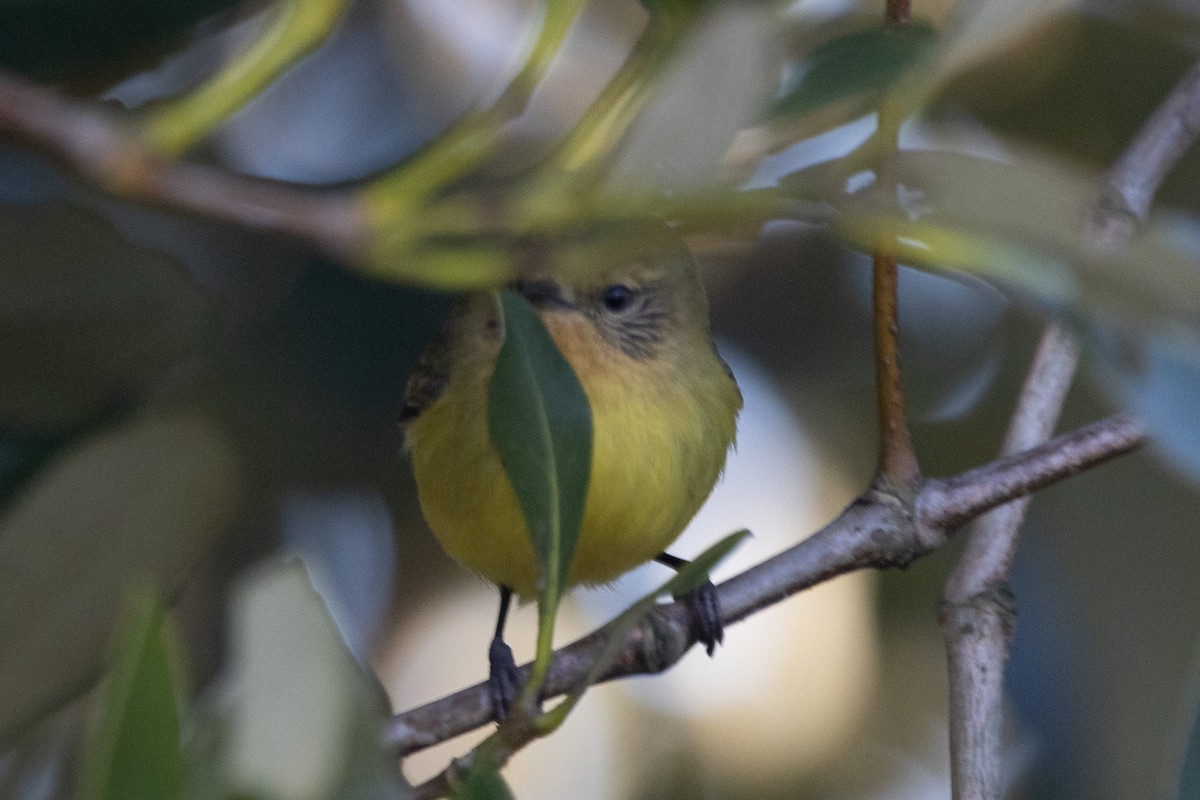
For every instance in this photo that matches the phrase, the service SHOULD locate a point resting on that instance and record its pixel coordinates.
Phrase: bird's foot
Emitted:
(706, 615)
(504, 679)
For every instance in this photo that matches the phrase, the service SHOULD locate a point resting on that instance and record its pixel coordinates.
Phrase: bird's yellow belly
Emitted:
(655, 458)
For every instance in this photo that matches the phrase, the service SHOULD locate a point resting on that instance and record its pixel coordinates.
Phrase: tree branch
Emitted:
(1133, 180)
(877, 530)
(978, 612)
(95, 145)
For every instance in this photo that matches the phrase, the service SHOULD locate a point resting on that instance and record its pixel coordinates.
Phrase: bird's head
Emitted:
(641, 309)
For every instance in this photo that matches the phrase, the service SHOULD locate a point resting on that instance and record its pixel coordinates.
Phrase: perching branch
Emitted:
(877, 530)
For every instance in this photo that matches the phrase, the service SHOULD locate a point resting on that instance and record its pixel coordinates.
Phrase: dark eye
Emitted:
(617, 298)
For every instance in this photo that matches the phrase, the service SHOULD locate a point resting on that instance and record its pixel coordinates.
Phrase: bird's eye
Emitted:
(617, 298)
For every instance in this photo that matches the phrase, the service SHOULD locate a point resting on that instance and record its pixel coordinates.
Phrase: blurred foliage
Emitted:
(86, 337)
(133, 752)
(144, 500)
(854, 63)
(92, 43)
(291, 717)
(482, 782)
(155, 406)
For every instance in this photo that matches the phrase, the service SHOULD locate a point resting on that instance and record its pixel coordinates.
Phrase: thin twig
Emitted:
(978, 611)
(877, 530)
(952, 502)
(898, 470)
(1133, 180)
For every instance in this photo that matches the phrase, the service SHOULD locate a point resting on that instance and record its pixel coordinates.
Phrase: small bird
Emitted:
(664, 410)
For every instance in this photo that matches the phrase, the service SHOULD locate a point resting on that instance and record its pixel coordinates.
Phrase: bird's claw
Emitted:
(504, 679)
(706, 615)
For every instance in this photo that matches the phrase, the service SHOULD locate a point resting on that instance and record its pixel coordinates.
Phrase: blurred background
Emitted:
(181, 400)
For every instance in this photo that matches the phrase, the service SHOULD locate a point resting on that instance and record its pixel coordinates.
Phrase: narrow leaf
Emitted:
(858, 62)
(541, 425)
(133, 753)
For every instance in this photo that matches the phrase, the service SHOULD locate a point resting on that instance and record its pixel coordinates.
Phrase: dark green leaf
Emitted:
(541, 425)
(482, 781)
(858, 62)
(134, 751)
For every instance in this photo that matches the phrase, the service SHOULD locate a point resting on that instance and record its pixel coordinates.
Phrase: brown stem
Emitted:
(897, 470)
(978, 611)
(877, 530)
(896, 13)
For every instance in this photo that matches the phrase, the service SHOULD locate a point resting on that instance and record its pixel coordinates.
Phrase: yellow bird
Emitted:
(664, 408)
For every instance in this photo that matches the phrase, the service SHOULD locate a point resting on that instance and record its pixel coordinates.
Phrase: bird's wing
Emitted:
(432, 373)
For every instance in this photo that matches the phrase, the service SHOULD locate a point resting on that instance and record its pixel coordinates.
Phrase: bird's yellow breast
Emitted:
(662, 427)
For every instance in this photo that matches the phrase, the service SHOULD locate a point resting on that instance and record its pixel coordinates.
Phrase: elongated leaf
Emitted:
(134, 751)
(1020, 222)
(858, 62)
(541, 425)
(482, 781)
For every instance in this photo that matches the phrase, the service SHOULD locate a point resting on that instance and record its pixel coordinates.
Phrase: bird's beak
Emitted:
(544, 294)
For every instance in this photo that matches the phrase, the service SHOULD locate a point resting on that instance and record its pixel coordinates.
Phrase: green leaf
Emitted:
(1020, 222)
(541, 425)
(482, 781)
(145, 500)
(858, 62)
(134, 751)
